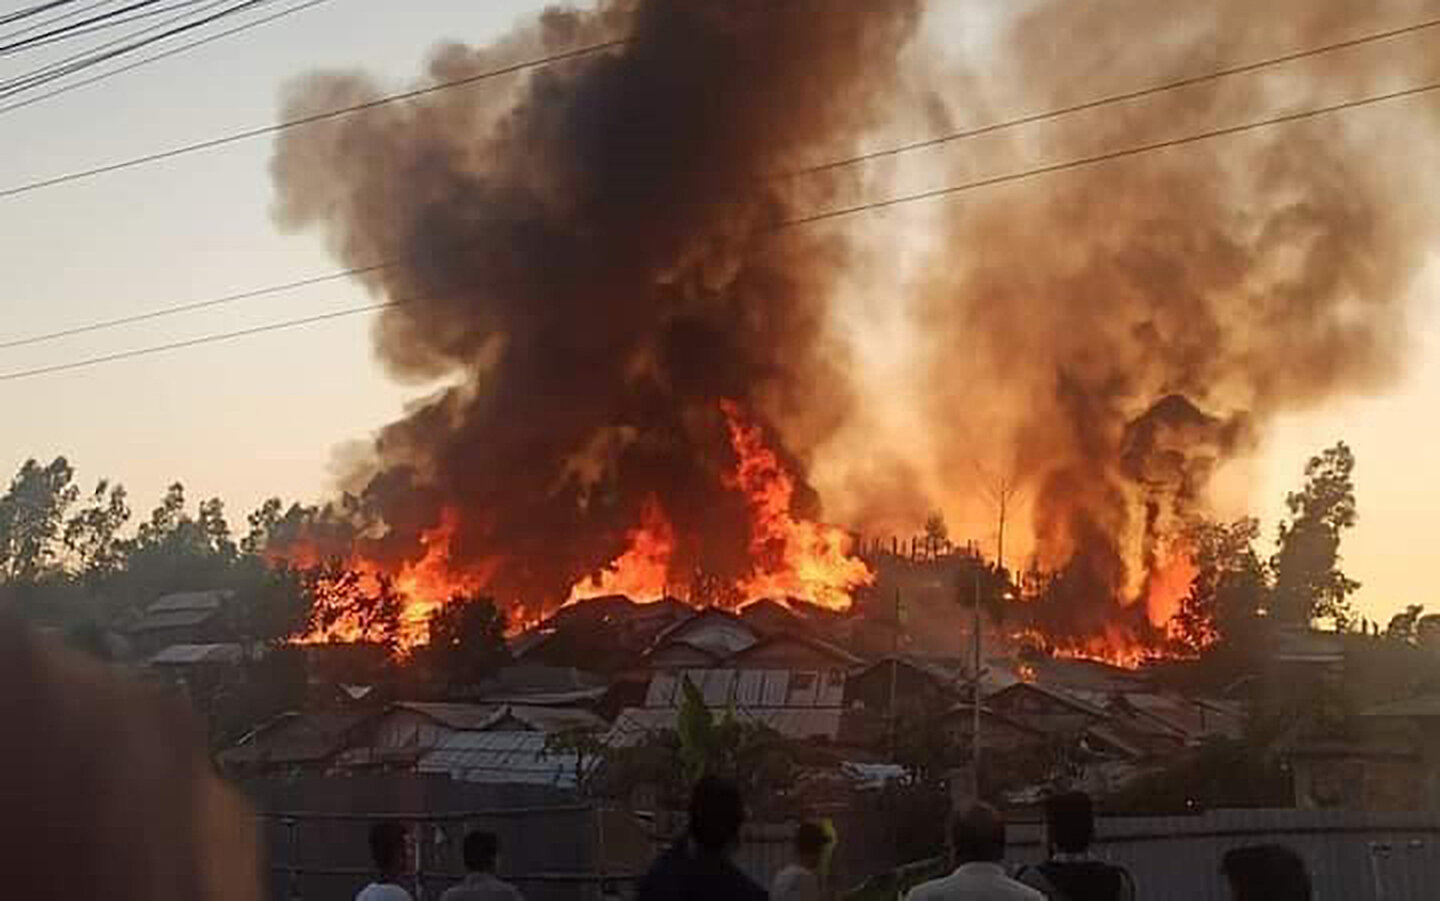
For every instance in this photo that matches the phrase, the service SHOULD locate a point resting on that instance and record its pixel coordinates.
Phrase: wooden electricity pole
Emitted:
(998, 492)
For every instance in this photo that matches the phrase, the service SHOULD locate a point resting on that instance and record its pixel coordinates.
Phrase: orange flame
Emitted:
(1116, 647)
(1168, 585)
(642, 572)
(422, 586)
(790, 557)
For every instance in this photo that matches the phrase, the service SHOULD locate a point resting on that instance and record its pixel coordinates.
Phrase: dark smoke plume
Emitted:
(590, 263)
(1129, 327)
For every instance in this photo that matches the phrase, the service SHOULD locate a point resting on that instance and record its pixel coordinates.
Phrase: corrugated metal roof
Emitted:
(716, 685)
(661, 691)
(191, 600)
(751, 688)
(1418, 707)
(295, 738)
(775, 688)
(797, 722)
(712, 629)
(456, 716)
(1061, 697)
(841, 656)
(500, 757)
(190, 654)
(547, 719)
(792, 722)
(173, 619)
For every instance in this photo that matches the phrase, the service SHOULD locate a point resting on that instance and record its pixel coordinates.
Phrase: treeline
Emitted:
(71, 558)
(81, 563)
(1302, 582)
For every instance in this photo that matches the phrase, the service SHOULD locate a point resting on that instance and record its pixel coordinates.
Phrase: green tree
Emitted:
(174, 551)
(32, 519)
(1230, 588)
(92, 534)
(1405, 626)
(587, 745)
(755, 756)
(271, 602)
(1309, 583)
(165, 520)
(263, 521)
(214, 529)
(466, 640)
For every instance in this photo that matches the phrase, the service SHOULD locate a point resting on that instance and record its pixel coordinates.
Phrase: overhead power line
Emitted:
(35, 10)
(312, 119)
(80, 11)
(113, 19)
(904, 148)
(834, 164)
(203, 339)
(192, 306)
(1123, 97)
(64, 69)
(157, 57)
(950, 190)
(947, 191)
(45, 36)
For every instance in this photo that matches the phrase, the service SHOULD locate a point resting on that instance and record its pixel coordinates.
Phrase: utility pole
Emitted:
(975, 699)
(999, 492)
(894, 675)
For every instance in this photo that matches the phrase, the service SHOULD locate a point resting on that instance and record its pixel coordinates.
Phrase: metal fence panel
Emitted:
(1352, 856)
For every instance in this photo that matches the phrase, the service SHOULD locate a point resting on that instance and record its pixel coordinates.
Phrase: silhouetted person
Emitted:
(1266, 873)
(1072, 873)
(800, 880)
(90, 762)
(390, 852)
(482, 850)
(977, 845)
(698, 867)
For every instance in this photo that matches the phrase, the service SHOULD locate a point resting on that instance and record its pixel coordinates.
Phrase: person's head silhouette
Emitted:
(811, 840)
(389, 848)
(482, 849)
(716, 814)
(1070, 822)
(1266, 873)
(977, 835)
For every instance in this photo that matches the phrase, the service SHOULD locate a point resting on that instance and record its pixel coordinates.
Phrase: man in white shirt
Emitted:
(390, 851)
(800, 880)
(977, 842)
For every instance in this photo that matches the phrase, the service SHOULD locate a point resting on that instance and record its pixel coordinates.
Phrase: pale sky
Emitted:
(263, 416)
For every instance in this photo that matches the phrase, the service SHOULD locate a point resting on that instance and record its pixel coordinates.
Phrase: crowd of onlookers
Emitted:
(699, 867)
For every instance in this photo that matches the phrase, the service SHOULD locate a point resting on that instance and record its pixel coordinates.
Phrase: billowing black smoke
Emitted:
(1124, 329)
(589, 259)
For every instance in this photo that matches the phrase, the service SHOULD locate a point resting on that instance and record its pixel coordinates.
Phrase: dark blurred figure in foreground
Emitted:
(108, 788)
(699, 867)
(1266, 873)
(390, 852)
(482, 852)
(1072, 873)
(801, 879)
(977, 843)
